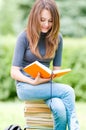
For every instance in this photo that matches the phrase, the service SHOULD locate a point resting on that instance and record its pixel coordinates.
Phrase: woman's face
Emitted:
(45, 21)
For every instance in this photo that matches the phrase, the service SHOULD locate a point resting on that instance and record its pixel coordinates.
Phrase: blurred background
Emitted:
(13, 19)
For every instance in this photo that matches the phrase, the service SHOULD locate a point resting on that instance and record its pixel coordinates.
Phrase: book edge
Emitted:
(40, 65)
(61, 70)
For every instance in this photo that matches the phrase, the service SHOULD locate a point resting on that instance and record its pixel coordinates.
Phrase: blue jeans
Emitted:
(60, 98)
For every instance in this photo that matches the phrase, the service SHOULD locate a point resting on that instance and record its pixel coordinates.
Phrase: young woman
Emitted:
(42, 41)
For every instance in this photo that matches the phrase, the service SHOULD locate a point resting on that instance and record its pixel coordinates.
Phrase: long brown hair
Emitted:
(33, 27)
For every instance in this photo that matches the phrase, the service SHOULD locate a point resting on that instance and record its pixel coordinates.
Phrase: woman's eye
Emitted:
(42, 20)
(50, 21)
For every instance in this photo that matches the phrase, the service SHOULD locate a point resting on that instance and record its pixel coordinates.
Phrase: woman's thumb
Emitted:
(38, 75)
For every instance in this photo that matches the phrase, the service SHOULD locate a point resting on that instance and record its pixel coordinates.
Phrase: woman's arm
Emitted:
(17, 75)
(56, 67)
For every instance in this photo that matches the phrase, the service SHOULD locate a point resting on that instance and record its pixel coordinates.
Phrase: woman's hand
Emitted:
(39, 80)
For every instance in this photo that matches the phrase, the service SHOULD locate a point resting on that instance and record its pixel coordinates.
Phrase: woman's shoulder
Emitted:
(22, 37)
(60, 37)
(22, 34)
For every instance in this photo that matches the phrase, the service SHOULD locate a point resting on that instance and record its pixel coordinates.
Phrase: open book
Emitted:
(36, 67)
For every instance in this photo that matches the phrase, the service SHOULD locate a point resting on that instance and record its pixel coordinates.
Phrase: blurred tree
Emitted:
(14, 15)
(9, 17)
(25, 7)
(5, 19)
(73, 17)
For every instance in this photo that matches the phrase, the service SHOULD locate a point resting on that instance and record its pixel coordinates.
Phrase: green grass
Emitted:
(81, 113)
(12, 113)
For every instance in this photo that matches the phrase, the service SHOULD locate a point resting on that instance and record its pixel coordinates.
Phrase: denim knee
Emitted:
(20, 95)
(57, 107)
(70, 92)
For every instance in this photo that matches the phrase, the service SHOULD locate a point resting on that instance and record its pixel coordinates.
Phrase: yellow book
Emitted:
(36, 67)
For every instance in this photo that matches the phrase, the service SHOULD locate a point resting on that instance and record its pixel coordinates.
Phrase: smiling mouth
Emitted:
(45, 28)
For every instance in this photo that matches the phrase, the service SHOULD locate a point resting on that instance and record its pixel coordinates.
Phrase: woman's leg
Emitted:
(59, 113)
(67, 95)
(43, 91)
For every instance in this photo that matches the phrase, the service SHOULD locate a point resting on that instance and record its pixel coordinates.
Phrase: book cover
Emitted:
(36, 67)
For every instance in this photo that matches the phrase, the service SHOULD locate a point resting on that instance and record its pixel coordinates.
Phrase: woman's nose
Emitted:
(46, 23)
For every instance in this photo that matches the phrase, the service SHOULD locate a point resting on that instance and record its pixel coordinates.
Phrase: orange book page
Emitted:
(34, 69)
(59, 73)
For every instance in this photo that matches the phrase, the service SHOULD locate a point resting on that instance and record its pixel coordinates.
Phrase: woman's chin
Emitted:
(44, 31)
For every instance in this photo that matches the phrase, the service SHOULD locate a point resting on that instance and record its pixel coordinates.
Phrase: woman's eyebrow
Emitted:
(46, 18)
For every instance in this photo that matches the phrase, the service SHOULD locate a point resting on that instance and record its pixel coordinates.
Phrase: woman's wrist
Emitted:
(30, 81)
